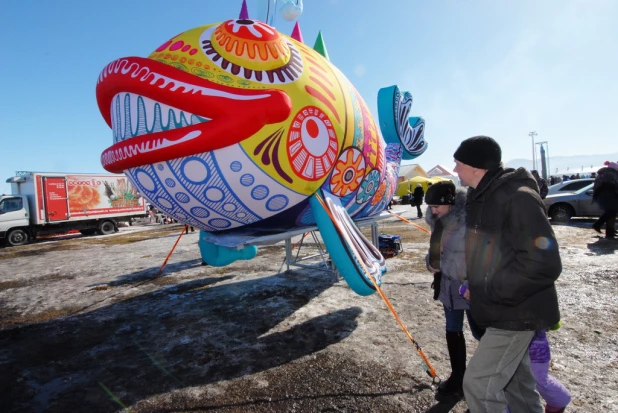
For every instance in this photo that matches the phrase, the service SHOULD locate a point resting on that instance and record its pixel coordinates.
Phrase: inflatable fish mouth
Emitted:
(205, 114)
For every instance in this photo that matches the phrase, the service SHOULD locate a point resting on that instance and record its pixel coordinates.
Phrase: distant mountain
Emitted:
(573, 164)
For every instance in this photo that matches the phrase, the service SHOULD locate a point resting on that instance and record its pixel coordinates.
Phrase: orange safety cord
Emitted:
(301, 240)
(430, 370)
(409, 222)
(172, 250)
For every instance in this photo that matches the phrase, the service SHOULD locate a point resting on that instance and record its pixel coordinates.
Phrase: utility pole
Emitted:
(532, 135)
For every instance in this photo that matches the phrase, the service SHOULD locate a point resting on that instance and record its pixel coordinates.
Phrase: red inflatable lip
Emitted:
(235, 113)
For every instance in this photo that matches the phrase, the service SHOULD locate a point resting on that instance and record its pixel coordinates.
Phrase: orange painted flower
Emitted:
(379, 193)
(348, 173)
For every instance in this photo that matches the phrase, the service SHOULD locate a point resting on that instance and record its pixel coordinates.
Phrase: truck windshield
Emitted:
(10, 205)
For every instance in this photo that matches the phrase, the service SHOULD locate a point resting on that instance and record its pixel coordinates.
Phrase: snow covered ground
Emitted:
(86, 325)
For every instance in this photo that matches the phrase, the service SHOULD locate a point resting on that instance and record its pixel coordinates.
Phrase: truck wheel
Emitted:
(17, 237)
(107, 228)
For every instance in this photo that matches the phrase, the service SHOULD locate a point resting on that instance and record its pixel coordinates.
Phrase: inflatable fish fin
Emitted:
(393, 111)
(320, 46)
(220, 256)
(296, 33)
(356, 258)
(244, 12)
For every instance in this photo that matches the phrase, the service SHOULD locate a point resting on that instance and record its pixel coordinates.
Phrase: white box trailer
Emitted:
(52, 203)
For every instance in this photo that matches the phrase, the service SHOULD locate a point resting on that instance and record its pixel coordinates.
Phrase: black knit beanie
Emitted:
(441, 193)
(479, 152)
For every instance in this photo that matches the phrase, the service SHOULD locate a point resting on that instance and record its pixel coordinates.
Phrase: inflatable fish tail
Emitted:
(359, 262)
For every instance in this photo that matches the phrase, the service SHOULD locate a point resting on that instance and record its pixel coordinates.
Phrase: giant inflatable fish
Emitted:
(235, 128)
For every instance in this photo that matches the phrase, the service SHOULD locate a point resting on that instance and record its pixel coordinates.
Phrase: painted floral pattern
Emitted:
(368, 187)
(348, 173)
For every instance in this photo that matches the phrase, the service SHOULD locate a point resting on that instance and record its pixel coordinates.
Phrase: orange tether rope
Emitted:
(172, 250)
(409, 222)
(301, 240)
(429, 368)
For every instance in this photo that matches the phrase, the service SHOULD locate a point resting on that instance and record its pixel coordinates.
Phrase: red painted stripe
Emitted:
(323, 86)
(319, 66)
(316, 94)
(321, 74)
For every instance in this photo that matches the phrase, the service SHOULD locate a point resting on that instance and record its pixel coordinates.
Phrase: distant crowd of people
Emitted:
(553, 180)
(160, 218)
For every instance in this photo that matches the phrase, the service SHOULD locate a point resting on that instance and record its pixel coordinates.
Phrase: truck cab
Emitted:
(14, 219)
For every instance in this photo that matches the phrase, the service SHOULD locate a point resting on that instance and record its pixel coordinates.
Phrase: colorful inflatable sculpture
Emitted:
(235, 128)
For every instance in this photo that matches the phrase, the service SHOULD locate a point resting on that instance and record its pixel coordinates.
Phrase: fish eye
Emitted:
(252, 50)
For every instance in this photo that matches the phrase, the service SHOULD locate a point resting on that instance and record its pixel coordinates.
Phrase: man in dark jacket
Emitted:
(417, 199)
(512, 260)
(606, 195)
(542, 183)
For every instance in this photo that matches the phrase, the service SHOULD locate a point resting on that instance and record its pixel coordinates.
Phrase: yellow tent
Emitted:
(439, 178)
(407, 187)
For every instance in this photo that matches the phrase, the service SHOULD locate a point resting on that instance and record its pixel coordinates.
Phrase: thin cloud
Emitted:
(360, 70)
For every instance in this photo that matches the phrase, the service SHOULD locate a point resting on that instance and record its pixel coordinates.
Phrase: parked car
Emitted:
(569, 186)
(562, 206)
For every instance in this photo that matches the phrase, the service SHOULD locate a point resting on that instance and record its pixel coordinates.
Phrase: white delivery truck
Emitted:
(55, 203)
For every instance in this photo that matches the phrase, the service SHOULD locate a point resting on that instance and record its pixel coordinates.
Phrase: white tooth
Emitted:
(139, 124)
(149, 105)
(183, 118)
(118, 113)
(124, 109)
(134, 117)
(114, 109)
(112, 113)
(179, 117)
(172, 118)
(165, 115)
(125, 117)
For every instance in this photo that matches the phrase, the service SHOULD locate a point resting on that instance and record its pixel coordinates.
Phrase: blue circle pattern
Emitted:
(194, 159)
(247, 180)
(219, 223)
(236, 166)
(182, 197)
(200, 212)
(259, 192)
(214, 194)
(218, 193)
(277, 203)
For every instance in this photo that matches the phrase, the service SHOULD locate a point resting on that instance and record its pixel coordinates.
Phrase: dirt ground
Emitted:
(87, 326)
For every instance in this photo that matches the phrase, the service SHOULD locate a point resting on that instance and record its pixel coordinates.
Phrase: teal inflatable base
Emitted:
(219, 256)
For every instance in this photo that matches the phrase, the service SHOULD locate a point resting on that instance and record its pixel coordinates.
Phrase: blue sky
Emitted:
(500, 68)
